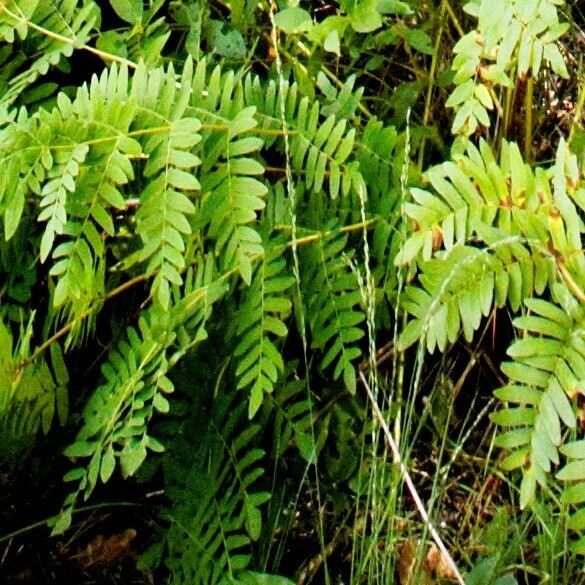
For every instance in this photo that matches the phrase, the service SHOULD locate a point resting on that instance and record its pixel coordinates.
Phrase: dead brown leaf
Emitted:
(104, 551)
(437, 563)
(406, 565)
(435, 567)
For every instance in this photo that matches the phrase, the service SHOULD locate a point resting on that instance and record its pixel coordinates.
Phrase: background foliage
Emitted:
(220, 218)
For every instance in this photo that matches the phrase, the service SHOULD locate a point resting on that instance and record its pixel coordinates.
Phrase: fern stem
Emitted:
(528, 97)
(507, 115)
(162, 130)
(454, 19)
(47, 521)
(571, 283)
(354, 227)
(67, 328)
(431, 84)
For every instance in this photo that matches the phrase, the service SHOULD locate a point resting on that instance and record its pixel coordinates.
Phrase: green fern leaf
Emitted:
(549, 362)
(264, 308)
(162, 218)
(475, 191)
(54, 197)
(52, 30)
(462, 286)
(293, 413)
(511, 41)
(118, 412)
(235, 196)
(32, 392)
(216, 514)
(334, 307)
(318, 147)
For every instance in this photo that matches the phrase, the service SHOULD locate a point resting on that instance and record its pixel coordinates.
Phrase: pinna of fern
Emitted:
(42, 35)
(216, 492)
(513, 40)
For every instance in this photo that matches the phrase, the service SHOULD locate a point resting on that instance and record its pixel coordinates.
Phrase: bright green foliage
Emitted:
(547, 365)
(318, 147)
(116, 416)
(216, 507)
(546, 378)
(526, 234)
(232, 193)
(464, 286)
(237, 197)
(474, 193)
(505, 206)
(31, 392)
(162, 218)
(513, 39)
(69, 22)
(148, 176)
(196, 202)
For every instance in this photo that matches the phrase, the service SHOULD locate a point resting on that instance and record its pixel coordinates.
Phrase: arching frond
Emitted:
(319, 146)
(45, 25)
(545, 379)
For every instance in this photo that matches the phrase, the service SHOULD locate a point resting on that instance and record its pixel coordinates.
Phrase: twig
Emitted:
(410, 484)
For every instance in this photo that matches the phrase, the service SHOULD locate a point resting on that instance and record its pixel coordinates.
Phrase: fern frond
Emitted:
(522, 230)
(319, 147)
(31, 393)
(293, 412)
(117, 414)
(75, 158)
(545, 379)
(380, 166)
(263, 309)
(232, 196)
(460, 287)
(216, 96)
(341, 102)
(511, 40)
(162, 218)
(237, 198)
(54, 21)
(379, 163)
(473, 191)
(334, 308)
(217, 508)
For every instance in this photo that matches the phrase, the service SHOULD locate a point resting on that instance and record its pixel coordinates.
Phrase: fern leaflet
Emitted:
(263, 309)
